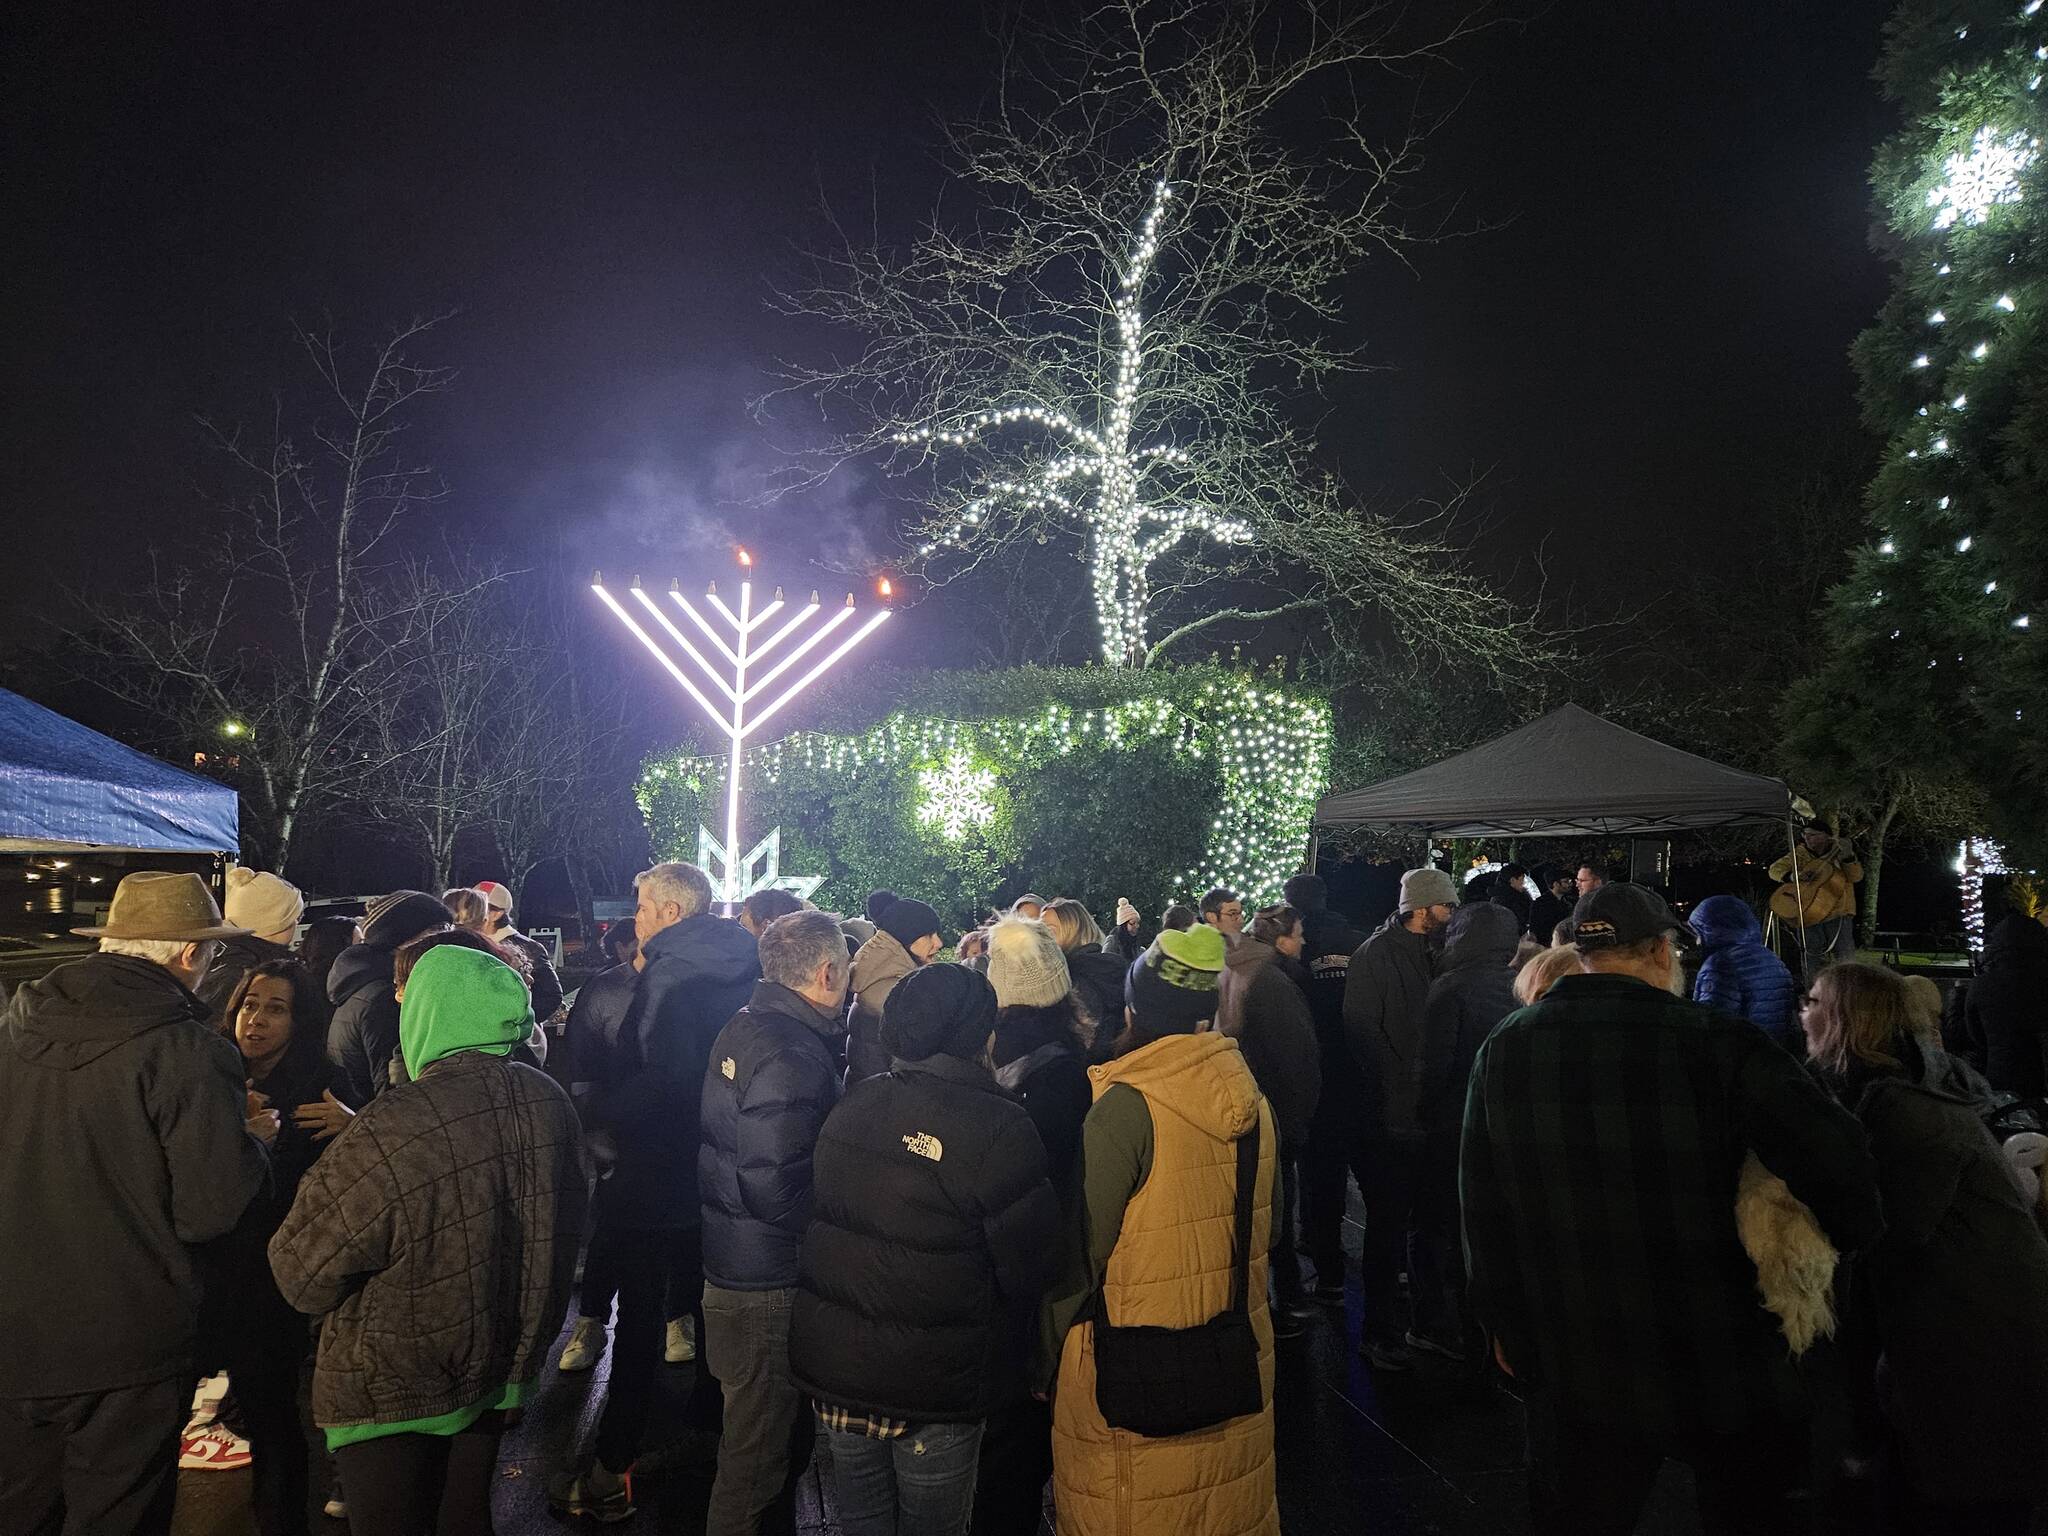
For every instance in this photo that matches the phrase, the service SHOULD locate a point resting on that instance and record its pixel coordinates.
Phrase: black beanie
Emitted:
(401, 917)
(879, 902)
(939, 1010)
(907, 921)
(1306, 893)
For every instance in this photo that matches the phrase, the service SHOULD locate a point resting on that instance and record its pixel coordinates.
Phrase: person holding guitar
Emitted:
(1818, 896)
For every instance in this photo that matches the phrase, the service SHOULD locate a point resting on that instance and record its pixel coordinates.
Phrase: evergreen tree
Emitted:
(1936, 660)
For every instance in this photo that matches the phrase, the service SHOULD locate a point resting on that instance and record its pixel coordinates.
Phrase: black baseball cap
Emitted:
(1619, 913)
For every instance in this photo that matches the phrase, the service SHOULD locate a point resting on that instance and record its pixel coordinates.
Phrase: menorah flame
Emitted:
(741, 877)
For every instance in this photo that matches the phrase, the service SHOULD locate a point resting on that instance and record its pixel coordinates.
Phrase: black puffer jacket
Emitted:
(438, 1234)
(2005, 1014)
(932, 1236)
(1038, 1059)
(364, 1030)
(546, 986)
(121, 1130)
(774, 1077)
(591, 1037)
(698, 974)
(1099, 979)
(1474, 991)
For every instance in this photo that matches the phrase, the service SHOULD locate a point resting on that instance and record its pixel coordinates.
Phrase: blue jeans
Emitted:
(919, 1484)
(766, 1443)
(1828, 941)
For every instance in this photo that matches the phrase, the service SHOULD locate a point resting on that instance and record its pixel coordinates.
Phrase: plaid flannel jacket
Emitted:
(1605, 1129)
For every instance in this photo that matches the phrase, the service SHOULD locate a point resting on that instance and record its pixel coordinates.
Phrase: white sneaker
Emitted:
(334, 1508)
(586, 1343)
(682, 1341)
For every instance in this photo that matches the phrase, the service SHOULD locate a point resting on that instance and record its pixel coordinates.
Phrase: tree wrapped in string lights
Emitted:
(1938, 668)
(1104, 340)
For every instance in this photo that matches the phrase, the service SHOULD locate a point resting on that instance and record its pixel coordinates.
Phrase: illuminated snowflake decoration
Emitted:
(1979, 181)
(956, 796)
(1119, 488)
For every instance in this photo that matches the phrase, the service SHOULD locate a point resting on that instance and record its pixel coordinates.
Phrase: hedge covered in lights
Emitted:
(976, 786)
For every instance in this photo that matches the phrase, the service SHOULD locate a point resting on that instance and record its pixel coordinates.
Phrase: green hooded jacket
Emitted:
(461, 1000)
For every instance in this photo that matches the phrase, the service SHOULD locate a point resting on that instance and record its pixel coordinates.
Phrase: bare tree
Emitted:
(1110, 337)
(278, 630)
(450, 727)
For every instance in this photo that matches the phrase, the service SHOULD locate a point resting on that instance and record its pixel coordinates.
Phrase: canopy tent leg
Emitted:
(1798, 898)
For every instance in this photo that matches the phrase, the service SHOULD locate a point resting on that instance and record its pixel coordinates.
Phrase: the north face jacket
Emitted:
(122, 1132)
(932, 1236)
(1384, 994)
(1605, 1132)
(437, 1237)
(1155, 1237)
(774, 1076)
(878, 965)
(697, 974)
(1739, 975)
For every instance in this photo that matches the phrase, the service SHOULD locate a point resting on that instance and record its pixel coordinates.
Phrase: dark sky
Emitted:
(603, 191)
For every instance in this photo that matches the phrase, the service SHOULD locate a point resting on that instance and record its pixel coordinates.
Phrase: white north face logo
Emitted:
(925, 1144)
(730, 1068)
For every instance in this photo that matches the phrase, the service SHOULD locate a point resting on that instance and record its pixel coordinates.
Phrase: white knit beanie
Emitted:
(262, 903)
(1025, 965)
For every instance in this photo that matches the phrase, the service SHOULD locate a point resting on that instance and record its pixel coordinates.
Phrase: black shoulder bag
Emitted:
(1173, 1381)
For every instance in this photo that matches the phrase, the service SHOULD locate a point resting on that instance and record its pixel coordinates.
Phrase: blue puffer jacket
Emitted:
(1741, 976)
(774, 1076)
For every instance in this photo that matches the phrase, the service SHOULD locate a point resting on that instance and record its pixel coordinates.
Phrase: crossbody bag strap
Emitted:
(1247, 1192)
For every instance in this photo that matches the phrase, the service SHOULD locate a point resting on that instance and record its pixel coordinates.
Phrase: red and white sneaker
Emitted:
(215, 1448)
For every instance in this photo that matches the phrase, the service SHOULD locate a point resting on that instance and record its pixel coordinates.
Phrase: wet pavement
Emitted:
(1435, 1453)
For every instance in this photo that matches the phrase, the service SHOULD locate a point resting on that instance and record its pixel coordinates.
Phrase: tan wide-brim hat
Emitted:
(157, 905)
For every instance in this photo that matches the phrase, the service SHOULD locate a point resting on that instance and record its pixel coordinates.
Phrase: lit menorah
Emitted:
(738, 877)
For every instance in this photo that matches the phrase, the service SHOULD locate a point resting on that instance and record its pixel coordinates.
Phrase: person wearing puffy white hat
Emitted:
(269, 908)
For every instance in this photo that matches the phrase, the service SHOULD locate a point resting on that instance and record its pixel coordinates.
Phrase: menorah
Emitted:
(736, 877)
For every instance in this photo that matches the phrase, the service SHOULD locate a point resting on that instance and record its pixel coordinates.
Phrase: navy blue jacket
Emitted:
(1740, 976)
(698, 974)
(774, 1076)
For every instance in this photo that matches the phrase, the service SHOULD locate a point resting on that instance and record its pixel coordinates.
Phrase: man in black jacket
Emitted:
(696, 971)
(928, 1250)
(1327, 942)
(364, 1030)
(96, 1231)
(774, 1077)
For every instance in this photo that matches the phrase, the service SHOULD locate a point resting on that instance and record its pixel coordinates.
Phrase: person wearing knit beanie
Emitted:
(1025, 965)
(877, 903)
(1424, 888)
(941, 1010)
(262, 903)
(392, 920)
(1171, 988)
(914, 925)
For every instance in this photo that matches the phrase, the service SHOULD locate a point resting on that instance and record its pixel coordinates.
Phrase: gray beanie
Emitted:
(1025, 965)
(1427, 888)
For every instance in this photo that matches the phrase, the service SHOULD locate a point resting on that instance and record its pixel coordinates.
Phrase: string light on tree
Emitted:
(1121, 490)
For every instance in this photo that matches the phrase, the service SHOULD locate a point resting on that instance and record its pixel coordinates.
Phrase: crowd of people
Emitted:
(1033, 1218)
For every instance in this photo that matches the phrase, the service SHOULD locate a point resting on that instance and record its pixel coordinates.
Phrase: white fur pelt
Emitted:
(1795, 1262)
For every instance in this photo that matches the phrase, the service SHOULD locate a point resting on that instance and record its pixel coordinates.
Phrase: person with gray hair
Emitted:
(697, 970)
(97, 1242)
(774, 1077)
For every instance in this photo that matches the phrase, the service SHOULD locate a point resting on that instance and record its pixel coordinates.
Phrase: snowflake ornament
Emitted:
(956, 796)
(1979, 181)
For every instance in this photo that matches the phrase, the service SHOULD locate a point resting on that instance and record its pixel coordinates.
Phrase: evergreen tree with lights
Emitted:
(1938, 667)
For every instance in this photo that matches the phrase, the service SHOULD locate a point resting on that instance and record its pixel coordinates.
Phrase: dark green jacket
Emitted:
(1605, 1129)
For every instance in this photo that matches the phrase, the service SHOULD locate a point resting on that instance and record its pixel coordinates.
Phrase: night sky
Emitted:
(604, 193)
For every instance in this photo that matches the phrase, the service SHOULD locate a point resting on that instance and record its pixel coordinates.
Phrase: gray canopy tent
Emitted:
(1568, 774)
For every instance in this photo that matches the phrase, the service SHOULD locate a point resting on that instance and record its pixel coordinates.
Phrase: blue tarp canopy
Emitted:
(64, 786)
